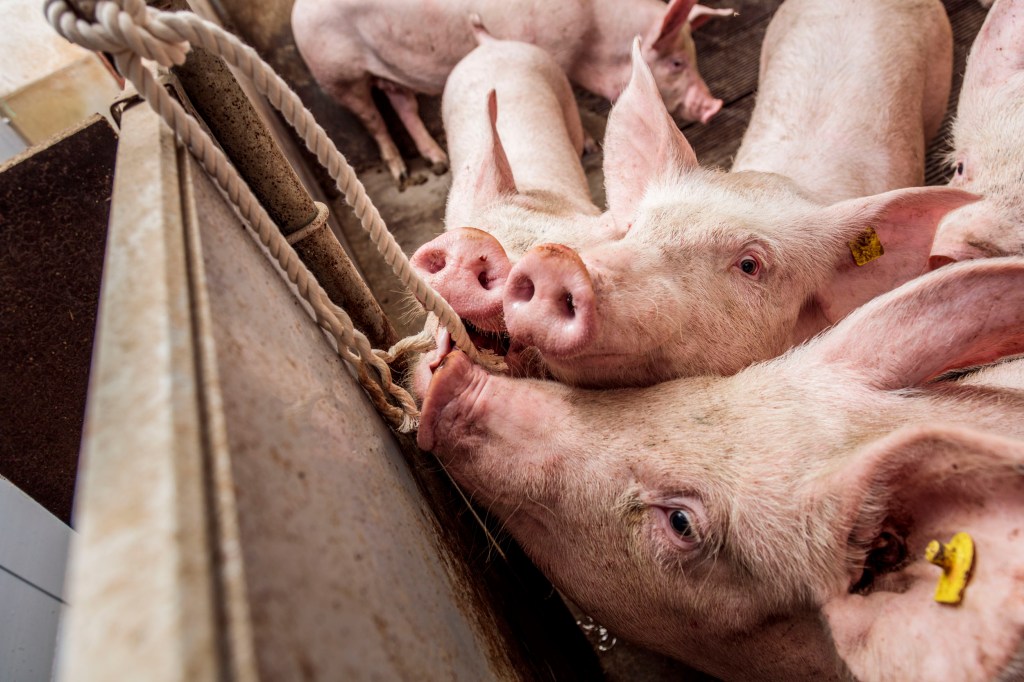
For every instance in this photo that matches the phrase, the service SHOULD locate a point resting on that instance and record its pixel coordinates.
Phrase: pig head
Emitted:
(515, 137)
(714, 271)
(771, 524)
(672, 57)
(988, 139)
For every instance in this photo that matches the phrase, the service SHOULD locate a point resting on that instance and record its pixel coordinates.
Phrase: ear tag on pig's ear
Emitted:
(956, 558)
(866, 247)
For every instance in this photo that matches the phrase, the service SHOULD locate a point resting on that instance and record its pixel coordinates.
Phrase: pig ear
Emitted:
(480, 31)
(701, 15)
(902, 223)
(962, 315)
(998, 51)
(676, 15)
(641, 142)
(493, 176)
(921, 484)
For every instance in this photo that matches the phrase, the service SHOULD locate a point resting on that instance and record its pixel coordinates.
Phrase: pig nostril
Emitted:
(484, 280)
(522, 290)
(569, 307)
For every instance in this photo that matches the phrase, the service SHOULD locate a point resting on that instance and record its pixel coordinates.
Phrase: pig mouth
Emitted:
(496, 341)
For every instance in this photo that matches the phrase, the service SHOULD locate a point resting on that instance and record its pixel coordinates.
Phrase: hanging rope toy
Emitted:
(131, 32)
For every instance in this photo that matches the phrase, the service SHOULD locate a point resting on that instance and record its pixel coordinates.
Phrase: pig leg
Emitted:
(407, 108)
(356, 97)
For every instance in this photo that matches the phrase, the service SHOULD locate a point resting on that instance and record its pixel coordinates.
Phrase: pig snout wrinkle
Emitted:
(549, 301)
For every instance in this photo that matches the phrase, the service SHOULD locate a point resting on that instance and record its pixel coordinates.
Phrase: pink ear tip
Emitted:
(635, 52)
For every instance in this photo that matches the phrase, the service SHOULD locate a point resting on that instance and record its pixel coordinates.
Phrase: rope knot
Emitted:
(120, 26)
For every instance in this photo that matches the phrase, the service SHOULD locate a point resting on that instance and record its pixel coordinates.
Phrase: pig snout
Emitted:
(454, 384)
(549, 301)
(469, 268)
(698, 104)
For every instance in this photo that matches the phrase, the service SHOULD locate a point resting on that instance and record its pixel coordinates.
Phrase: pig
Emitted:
(717, 270)
(517, 179)
(410, 46)
(771, 524)
(988, 143)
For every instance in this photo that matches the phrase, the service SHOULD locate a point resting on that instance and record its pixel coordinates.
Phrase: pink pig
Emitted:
(988, 139)
(772, 524)
(514, 136)
(408, 46)
(718, 270)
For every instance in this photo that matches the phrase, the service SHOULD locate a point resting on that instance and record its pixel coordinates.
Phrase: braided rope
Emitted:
(131, 31)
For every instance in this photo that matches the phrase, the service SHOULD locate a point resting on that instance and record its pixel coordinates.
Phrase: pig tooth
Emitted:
(444, 346)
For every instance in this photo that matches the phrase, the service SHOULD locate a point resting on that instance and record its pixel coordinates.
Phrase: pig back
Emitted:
(417, 43)
(849, 92)
(538, 121)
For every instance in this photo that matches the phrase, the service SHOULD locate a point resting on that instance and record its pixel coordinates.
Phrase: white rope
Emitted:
(131, 31)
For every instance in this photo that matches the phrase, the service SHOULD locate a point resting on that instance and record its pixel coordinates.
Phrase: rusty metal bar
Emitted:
(238, 127)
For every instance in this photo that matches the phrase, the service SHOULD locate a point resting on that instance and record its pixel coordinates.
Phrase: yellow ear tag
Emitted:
(866, 247)
(956, 559)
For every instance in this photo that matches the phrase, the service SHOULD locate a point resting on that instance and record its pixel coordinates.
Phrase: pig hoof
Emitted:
(590, 146)
(415, 179)
(439, 167)
(403, 181)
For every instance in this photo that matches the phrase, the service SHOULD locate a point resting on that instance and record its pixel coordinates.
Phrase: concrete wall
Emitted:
(47, 84)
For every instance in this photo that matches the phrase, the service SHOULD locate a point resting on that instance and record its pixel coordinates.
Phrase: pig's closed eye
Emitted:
(677, 64)
(749, 265)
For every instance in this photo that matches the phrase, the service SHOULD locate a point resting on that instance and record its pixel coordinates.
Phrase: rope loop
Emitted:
(125, 25)
(131, 32)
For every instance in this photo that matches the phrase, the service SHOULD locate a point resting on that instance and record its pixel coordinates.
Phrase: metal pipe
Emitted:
(220, 101)
(238, 127)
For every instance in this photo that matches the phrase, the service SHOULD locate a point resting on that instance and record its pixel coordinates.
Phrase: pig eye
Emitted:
(960, 168)
(750, 265)
(681, 523)
(677, 64)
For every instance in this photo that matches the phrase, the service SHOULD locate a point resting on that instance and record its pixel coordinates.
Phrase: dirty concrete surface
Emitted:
(54, 207)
